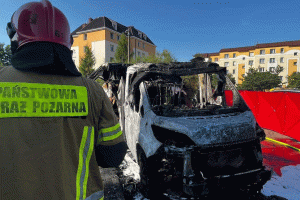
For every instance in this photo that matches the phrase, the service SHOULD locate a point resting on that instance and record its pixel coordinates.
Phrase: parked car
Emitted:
(183, 132)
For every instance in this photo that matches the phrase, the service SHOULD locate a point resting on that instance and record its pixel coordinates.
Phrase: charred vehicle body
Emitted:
(187, 136)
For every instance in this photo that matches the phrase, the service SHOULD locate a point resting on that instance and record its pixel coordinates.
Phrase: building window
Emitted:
(234, 55)
(280, 78)
(281, 60)
(118, 37)
(282, 50)
(243, 75)
(251, 54)
(250, 62)
(272, 69)
(262, 61)
(233, 71)
(139, 54)
(261, 69)
(114, 24)
(243, 67)
(295, 53)
(234, 63)
(111, 47)
(138, 44)
(227, 71)
(111, 59)
(243, 58)
(143, 45)
(145, 36)
(226, 64)
(85, 36)
(226, 56)
(111, 36)
(262, 52)
(216, 59)
(272, 60)
(295, 63)
(140, 34)
(272, 51)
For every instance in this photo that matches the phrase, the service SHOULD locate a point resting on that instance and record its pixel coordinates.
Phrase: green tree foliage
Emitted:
(5, 55)
(121, 55)
(87, 62)
(191, 84)
(294, 80)
(260, 81)
(198, 55)
(160, 57)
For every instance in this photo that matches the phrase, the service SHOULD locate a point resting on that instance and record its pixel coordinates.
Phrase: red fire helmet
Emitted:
(39, 21)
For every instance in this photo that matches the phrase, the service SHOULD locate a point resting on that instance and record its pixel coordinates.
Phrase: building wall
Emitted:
(75, 55)
(108, 53)
(98, 49)
(244, 57)
(241, 72)
(291, 66)
(99, 41)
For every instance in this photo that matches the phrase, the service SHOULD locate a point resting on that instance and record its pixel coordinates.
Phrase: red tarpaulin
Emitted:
(277, 111)
(277, 156)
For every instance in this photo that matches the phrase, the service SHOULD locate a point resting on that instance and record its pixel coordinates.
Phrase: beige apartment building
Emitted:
(102, 35)
(264, 57)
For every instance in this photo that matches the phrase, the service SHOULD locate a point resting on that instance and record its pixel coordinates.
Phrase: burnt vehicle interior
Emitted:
(176, 90)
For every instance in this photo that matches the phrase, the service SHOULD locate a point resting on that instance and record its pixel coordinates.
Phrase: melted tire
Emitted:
(150, 185)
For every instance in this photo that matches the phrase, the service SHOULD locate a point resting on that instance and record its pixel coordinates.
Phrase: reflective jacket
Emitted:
(50, 127)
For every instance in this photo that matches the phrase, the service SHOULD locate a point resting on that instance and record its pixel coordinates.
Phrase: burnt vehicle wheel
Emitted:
(151, 184)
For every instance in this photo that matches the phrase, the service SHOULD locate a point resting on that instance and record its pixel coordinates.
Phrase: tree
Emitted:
(199, 55)
(87, 62)
(121, 55)
(5, 55)
(294, 80)
(259, 81)
(191, 85)
(165, 57)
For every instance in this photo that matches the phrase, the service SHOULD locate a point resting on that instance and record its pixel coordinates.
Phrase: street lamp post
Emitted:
(128, 33)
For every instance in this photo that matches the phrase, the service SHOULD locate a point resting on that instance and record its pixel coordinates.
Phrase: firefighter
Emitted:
(56, 126)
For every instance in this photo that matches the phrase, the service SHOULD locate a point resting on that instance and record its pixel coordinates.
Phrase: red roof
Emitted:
(258, 46)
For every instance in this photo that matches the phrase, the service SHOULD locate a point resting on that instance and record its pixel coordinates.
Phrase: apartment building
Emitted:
(102, 35)
(264, 57)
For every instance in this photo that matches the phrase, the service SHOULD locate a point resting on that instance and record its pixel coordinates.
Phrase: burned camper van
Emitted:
(188, 127)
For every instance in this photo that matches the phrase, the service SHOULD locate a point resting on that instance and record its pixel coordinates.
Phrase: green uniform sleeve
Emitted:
(110, 146)
(109, 128)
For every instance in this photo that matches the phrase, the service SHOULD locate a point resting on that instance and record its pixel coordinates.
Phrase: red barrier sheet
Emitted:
(277, 111)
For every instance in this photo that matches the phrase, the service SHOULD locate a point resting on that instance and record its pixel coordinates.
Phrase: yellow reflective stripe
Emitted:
(87, 163)
(282, 143)
(85, 152)
(112, 137)
(110, 129)
(79, 170)
(42, 100)
(110, 133)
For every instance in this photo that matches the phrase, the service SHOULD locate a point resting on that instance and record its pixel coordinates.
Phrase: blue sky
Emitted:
(185, 27)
